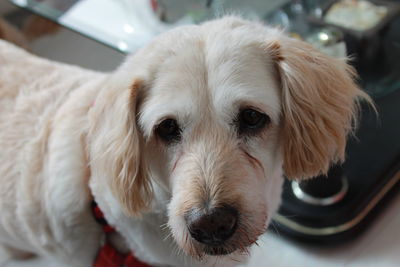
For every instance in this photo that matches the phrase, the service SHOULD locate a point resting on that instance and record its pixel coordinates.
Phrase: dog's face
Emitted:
(211, 120)
(215, 113)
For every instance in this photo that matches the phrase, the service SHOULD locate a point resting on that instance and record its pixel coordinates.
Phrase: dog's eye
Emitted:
(250, 121)
(168, 130)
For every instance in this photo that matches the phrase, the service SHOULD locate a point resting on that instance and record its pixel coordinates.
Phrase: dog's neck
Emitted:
(147, 236)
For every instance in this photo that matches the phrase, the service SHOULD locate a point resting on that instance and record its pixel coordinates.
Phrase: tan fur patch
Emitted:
(118, 144)
(274, 49)
(133, 186)
(320, 103)
(134, 94)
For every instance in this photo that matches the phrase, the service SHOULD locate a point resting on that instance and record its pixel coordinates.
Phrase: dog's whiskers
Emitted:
(165, 226)
(169, 235)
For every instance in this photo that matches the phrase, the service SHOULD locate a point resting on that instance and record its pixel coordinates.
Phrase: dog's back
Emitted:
(32, 90)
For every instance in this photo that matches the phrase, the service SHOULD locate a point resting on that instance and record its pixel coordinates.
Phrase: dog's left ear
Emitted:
(116, 145)
(320, 105)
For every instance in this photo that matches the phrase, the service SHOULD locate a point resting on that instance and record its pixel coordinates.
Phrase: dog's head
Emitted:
(215, 114)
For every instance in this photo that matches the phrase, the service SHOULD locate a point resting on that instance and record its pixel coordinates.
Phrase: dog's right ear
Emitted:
(320, 103)
(116, 147)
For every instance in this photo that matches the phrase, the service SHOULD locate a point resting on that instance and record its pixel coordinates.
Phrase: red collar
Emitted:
(108, 256)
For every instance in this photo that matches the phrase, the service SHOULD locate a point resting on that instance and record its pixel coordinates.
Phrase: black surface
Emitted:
(372, 158)
(373, 155)
(321, 187)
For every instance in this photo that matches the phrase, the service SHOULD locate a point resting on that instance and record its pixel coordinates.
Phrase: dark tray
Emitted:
(373, 171)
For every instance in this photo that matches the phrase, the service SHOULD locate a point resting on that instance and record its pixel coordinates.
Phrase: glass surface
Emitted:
(127, 25)
(106, 21)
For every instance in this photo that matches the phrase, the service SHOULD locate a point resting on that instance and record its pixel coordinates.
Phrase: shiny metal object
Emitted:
(326, 37)
(326, 201)
(337, 229)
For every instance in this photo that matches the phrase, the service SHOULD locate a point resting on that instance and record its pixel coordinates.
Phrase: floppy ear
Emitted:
(116, 148)
(320, 104)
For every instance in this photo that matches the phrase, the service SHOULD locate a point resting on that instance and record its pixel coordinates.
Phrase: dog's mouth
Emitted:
(217, 251)
(237, 243)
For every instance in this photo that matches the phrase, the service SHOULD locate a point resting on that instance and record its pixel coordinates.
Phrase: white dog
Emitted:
(183, 147)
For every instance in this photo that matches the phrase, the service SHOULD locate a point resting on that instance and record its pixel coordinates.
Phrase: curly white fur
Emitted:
(67, 134)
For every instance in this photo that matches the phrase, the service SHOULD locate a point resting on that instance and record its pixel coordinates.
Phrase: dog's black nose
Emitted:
(212, 227)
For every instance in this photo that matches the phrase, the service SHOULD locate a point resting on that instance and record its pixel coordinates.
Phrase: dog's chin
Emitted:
(218, 251)
(237, 244)
(223, 250)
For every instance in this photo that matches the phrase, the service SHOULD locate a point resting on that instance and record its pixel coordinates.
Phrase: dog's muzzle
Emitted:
(212, 227)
